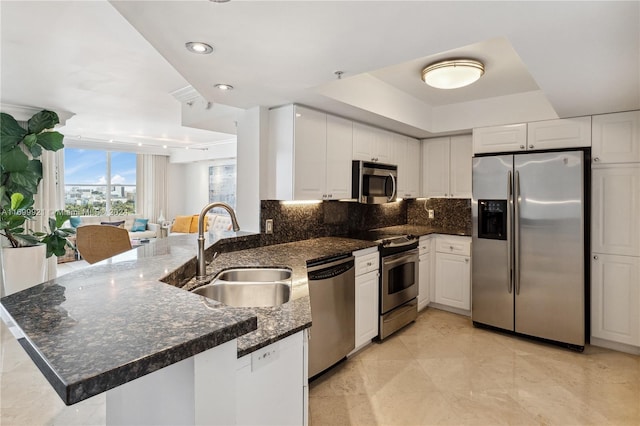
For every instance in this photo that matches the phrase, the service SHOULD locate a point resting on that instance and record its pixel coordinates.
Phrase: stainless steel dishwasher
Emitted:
(332, 290)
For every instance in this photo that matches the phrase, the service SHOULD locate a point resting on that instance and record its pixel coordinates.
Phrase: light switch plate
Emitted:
(431, 213)
(268, 226)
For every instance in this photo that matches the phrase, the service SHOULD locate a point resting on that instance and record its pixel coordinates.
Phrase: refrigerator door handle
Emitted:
(509, 230)
(516, 226)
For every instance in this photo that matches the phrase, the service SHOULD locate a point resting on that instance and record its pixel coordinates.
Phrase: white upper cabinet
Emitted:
(563, 133)
(461, 158)
(447, 167)
(616, 138)
(407, 153)
(372, 144)
(512, 137)
(538, 135)
(615, 210)
(339, 148)
(435, 167)
(310, 154)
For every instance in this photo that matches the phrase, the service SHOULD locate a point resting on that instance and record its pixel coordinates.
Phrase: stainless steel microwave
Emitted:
(374, 183)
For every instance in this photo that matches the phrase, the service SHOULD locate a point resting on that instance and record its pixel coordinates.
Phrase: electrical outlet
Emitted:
(431, 213)
(268, 226)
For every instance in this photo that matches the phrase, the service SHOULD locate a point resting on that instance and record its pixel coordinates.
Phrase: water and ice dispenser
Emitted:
(492, 219)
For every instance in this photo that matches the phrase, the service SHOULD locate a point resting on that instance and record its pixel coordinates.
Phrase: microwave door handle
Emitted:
(393, 192)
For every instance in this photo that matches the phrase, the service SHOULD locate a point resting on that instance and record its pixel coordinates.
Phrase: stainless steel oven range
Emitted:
(398, 283)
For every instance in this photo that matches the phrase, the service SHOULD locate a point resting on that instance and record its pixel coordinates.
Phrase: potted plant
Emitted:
(21, 172)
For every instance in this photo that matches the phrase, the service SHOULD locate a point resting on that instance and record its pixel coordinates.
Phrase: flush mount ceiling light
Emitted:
(223, 86)
(453, 74)
(199, 47)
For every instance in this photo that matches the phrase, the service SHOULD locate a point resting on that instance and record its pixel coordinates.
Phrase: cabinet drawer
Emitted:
(452, 245)
(424, 245)
(367, 263)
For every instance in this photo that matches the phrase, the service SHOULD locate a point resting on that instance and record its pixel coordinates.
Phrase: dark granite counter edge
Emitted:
(250, 349)
(79, 391)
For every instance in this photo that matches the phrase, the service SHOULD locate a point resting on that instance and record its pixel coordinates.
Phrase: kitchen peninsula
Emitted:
(101, 328)
(130, 326)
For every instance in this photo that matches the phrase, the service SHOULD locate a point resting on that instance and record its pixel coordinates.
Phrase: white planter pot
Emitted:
(23, 267)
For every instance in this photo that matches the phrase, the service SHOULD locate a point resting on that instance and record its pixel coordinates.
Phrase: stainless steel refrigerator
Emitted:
(528, 270)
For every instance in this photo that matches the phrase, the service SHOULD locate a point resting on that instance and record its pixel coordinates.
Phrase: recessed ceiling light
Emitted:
(452, 74)
(199, 47)
(219, 1)
(223, 86)
(164, 146)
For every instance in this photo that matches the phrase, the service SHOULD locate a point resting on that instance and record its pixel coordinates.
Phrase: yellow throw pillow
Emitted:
(181, 224)
(194, 224)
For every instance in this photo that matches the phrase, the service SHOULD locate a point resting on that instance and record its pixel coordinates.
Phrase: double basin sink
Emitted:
(249, 287)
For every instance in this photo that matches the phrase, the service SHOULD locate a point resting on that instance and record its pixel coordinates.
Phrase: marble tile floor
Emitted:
(442, 370)
(439, 370)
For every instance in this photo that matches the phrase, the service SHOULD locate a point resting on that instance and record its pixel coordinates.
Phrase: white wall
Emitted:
(253, 128)
(189, 176)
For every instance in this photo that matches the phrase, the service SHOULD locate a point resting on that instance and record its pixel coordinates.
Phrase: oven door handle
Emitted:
(391, 261)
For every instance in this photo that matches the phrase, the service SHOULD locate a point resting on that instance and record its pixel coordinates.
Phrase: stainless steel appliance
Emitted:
(398, 284)
(374, 183)
(529, 230)
(332, 291)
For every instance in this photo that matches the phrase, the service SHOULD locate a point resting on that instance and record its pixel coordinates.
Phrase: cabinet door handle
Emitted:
(369, 263)
(466, 260)
(595, 257)
(531, 146)
(522, 147)
(596, 159)
(450, 247)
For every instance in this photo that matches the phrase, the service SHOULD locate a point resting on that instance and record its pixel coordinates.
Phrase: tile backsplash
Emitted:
(449, 213)
(298, 221)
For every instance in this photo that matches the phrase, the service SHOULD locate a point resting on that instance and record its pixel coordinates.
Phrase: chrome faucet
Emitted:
(201, 267)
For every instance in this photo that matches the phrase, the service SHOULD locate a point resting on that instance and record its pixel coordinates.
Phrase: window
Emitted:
(99, 183)
(222, 184)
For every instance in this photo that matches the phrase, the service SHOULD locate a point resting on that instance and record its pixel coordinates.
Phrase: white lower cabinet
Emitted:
(615, 298)
(453, 272)
(271, 384)
(367, 289)
(424, 272)
(366, 308)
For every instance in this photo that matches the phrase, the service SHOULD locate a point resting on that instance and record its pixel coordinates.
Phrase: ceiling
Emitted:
(121, 66)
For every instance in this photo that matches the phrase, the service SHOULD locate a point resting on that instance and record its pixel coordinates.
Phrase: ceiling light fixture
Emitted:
(199, 47)
(452, 74)
(219, 1)
(223, 86)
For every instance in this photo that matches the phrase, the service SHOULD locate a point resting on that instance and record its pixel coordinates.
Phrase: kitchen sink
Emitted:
(249, 287)
(255, 275)
(247, 294)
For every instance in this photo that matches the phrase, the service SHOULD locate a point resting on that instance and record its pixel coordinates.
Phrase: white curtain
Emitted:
(152, 185)
(50, 197)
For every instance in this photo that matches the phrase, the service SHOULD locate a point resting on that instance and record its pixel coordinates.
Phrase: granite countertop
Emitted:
(275, 323)
(420, 230)
(100, 327)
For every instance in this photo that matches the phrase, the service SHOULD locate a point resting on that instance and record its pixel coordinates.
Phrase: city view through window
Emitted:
(99, 183)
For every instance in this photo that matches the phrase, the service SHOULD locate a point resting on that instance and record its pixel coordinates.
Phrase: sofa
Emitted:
(215, 224)
(152, 230)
